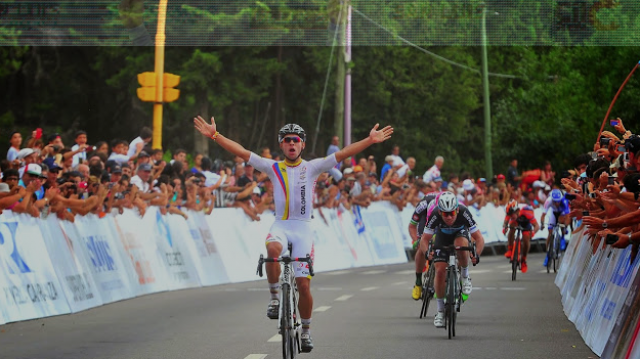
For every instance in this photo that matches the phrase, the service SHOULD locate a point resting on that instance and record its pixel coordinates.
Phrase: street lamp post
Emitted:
(487, 106)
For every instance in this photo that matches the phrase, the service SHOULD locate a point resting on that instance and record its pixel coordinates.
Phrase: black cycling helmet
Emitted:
(291, 129)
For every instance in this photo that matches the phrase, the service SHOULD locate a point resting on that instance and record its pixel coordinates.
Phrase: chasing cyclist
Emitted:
(453, 224)
(294, 180)
(416, 227)
(558, 209)
(525, 218)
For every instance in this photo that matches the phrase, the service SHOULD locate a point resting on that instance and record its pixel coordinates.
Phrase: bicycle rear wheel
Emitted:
(451, 306)
(515, 258)
(285, 323)
(427, 290)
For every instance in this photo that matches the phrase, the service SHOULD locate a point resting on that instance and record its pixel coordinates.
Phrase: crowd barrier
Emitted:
(600, 296)
(52, 267)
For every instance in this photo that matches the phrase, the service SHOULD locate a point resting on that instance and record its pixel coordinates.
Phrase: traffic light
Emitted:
(147, 92)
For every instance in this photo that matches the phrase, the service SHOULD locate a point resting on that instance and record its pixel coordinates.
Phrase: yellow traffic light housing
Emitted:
(147, 92)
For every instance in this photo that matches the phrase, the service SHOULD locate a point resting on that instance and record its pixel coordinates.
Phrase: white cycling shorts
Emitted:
(300, 235)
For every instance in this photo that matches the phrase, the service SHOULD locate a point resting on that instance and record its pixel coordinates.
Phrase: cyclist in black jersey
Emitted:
(453, 224)
(416, 227)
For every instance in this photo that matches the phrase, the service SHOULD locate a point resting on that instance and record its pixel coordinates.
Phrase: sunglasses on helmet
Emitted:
(294, 139)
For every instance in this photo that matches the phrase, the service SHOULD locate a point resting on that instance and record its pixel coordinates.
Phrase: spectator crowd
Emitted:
(48, 177)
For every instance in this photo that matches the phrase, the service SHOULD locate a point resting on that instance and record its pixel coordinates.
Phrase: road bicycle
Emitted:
(553, 250)
(289, 325)
(453, 294)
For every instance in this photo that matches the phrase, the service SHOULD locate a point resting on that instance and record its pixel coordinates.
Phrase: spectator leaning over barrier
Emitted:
(512, 174)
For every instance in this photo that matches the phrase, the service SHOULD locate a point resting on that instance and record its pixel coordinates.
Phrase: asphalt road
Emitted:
(359, 313)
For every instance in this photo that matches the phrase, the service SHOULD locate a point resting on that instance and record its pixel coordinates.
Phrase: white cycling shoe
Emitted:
(438, 320)
(467, 287)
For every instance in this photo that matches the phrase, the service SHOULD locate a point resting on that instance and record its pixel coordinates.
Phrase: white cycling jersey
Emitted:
(293, 185)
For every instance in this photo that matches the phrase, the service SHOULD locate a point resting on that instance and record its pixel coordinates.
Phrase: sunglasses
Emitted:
(448, 214)
(291, 139)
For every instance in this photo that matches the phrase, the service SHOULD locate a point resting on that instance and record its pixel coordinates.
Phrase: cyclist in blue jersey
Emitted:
(556, 207)
(294, 182)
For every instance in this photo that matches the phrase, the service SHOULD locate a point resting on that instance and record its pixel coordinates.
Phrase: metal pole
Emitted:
(159, 70)
(340, 77)
(487, 109)
(347, 86)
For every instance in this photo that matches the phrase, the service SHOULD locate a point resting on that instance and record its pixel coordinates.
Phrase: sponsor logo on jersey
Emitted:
(303, 173)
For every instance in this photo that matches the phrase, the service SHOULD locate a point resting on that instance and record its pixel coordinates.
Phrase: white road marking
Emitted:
(367, 289)
(256, 356)
(504, 266)
(337, 272)
(275, 339)
(508, 271)
(344, 297)
(513, 288)
(328, 288)
(400, 283)
(374, 272)
(257, 289)
(406, 272)
(322, 309)
(490, 288)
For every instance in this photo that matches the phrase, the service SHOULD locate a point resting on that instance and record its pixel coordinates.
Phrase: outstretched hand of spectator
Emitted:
(620, 126)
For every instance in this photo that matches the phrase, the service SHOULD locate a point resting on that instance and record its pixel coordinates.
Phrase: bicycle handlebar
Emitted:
(285, 260)
(471, 249)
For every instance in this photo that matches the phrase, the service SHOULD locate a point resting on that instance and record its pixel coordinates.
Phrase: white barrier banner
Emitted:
(77, 282)
(234, 252)
(29, 285)
(384, 234)
(170, 240)
(330, 252)
(105, 258)
(136, 237)
(204, 251)
(359, 246)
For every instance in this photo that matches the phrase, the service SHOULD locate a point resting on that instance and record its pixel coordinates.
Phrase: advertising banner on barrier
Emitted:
(383, 234)
(170, 240)
(341, 223)
(625, 327)
(29, 285)
(204, 251)
(105, 258)
(136, 237)
(77, 282)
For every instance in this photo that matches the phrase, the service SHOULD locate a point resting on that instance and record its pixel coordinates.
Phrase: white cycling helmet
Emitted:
(291, 129)
(448, 202)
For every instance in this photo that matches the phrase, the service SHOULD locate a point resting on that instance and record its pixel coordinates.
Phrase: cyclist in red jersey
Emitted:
(525, 218)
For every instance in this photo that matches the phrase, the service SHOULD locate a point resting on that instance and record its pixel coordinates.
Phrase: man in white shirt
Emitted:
(434, 171)
(408, 167)
(395, 153)
(144, 138)
(141, 179)
(81, 141)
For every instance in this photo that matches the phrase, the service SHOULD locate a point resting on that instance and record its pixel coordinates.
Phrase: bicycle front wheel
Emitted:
(451, 304)
(427, 290)
(514, 258)
(285, 323)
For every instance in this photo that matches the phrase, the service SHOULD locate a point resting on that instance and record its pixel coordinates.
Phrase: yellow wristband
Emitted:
(215, 135)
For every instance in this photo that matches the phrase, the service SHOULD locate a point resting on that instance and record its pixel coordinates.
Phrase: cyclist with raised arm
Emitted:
(557, 208)
(416, 227)
(525, 218)
(453, 224)
(293, 180)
